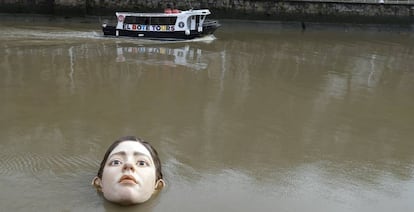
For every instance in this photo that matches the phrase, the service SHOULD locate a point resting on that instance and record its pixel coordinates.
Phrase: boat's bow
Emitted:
(209, 26)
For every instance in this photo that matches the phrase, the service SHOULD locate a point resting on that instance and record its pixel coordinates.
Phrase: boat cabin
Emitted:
(161, 22)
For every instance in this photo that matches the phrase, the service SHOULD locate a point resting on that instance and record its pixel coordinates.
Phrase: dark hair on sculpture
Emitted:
(151, 149)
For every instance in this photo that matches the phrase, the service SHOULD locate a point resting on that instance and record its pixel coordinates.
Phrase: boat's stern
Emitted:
(108, 30)
(109, 26)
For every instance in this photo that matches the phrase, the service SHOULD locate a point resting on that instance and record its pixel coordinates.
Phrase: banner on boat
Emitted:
(155, 28)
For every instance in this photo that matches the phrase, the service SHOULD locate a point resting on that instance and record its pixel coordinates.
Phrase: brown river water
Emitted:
(263, 117)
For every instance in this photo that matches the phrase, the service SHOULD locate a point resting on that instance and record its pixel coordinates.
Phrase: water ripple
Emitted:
(35, 163)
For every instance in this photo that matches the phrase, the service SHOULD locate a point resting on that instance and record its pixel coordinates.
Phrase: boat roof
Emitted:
(188, 12)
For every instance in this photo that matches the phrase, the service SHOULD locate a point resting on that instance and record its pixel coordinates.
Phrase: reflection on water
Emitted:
(161, 55)
(271, 119)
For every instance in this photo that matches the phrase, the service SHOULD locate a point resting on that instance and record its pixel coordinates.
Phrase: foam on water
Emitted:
(42, 34)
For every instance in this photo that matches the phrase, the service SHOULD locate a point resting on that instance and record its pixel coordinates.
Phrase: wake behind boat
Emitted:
(173, 24)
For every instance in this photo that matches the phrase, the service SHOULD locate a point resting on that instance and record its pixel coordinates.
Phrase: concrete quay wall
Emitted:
(358, 11)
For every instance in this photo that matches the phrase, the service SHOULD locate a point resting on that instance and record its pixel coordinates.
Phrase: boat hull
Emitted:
(176, 35)
(208, 29)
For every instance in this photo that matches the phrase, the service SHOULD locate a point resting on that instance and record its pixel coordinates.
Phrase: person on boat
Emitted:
(130, 172)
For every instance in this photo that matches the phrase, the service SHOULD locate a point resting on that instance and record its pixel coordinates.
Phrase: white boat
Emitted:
(173, 24)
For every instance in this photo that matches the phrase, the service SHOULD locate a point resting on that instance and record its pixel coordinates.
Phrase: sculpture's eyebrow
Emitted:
(123, 153)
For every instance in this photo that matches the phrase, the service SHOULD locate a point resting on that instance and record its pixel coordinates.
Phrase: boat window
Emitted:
(197, 20)
(142, 20)
(137, 20)
(129, 20)
(150, 20)
(163, 20)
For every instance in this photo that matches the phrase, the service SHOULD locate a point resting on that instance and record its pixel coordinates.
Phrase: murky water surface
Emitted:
(266, 117)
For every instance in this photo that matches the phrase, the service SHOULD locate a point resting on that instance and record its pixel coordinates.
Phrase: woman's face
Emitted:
(129, 174)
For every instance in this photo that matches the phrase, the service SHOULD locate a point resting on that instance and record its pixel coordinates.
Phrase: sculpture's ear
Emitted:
(159, 184)
(97, 183)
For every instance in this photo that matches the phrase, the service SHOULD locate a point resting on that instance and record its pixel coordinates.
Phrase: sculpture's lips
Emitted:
(128, 179)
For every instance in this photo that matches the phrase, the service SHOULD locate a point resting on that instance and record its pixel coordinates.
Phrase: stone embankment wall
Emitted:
(285, 10)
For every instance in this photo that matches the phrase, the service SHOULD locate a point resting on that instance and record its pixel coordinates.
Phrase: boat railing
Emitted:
(210, 22)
